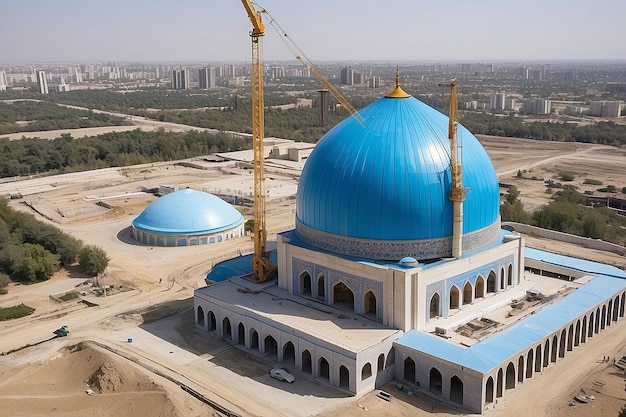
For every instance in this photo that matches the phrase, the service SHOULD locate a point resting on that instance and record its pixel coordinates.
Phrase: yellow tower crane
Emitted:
(261, 265)
(457, 193)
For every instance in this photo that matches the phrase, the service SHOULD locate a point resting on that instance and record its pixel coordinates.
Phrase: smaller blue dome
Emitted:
(188, 212)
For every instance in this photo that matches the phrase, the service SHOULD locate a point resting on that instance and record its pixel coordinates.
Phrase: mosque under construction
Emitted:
(368, 289)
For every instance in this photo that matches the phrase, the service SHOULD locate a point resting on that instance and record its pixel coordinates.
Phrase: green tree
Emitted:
(622, 413)
(512, 194)
(33, 263)
(4, 282)
(93, 260)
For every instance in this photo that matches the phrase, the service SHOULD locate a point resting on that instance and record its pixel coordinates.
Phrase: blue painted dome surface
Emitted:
(391, 179)
(187, 212)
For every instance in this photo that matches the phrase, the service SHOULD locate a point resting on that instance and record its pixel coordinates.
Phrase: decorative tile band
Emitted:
(390, 250)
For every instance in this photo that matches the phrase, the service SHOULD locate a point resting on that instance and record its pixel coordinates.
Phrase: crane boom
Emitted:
(261, 264)
(300, 56)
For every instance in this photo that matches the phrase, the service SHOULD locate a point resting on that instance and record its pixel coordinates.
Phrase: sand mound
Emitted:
(60, 384)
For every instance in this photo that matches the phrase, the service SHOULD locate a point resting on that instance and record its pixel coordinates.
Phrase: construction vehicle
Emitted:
(261, 265)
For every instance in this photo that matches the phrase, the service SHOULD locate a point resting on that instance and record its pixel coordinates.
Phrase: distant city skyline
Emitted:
(39, 31)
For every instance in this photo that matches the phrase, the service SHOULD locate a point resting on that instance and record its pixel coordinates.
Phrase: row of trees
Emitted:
(38, 116)
(567, 213)
(32, 251)
(66, 154)
(607, 133)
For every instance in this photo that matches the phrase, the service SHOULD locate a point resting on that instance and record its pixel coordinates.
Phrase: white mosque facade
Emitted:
(366, 282)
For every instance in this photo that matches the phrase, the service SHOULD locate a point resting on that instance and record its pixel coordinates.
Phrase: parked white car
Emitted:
(282, 375)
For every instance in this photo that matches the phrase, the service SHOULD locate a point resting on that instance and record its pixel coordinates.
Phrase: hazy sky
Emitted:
(326, 30)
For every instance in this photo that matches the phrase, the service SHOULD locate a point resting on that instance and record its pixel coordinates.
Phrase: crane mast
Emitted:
(261, 264)
(457, 192)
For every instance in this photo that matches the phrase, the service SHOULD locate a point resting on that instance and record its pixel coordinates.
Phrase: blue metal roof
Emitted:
(574, 263)
(188, 212)
(487, 354)
(391, 178)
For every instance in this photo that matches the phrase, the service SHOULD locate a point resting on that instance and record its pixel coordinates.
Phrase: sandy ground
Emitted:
(154, 308)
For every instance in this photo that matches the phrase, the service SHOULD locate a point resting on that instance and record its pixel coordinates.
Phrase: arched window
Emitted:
(491, 282)
(467, 293)
(489, 391)
(306, 362)
(435, 384)
(321, 287)
(241, 334)
(271, 346)
(454, 297)
(479, 291)
(530, 363)
(343, 295)
(324, 368)
(509, 278)
(409, 370)
(200, 316)
(305, 284)
(226, 330)
(369, 303)
(381, 362)
(289, 353)
(366, 371)
(510, 376)
(434, 306)
(456, 390)
(344, 377)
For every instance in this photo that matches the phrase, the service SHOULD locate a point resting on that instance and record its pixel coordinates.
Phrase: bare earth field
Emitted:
(151, 303)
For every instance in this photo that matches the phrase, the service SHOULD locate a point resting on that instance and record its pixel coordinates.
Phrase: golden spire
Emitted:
(398, 92)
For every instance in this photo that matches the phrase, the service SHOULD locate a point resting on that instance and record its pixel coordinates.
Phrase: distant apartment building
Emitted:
(374, 82)
(207, 78)
(180, 79)
(42, 83)
(605, 108)
(347, 76)
(3, 81)
(536, 106)
(359, 78)
(509, 104)
(61, 88)
(498, 101)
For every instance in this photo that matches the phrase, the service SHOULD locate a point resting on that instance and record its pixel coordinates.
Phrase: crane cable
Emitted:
(301, 56)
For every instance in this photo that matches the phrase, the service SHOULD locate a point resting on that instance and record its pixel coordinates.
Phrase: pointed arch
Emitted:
(289, 353)
(409, 370)
(323, 368)
(555, 347)
(500, 384)
(456, 390)
(520, 369)
(530, 363)
(546, 354)
(491, 282)
(306, 362)
(226, 330)
(570, 338)
(321, 287)
(454, 297)
(270, 346)
(344, 377)
(343, 295)
(502, 286)
(603, 321)
(510, 376)
(510, 275)
(479, 290)
(583, 331)
(577, 333)
(212, 321)
(369, 303)
(538, 359)
(200, 316)
(435, 306)
(241, 334)
(435, 381)
(305, 284)
(468, 291)
(591, 322)
(489, 390)
(254, 339)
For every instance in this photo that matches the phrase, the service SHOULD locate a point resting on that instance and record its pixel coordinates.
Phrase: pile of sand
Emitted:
(82, 380)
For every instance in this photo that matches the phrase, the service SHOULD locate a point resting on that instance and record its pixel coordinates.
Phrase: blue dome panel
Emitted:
(391, 179)
(187, 212)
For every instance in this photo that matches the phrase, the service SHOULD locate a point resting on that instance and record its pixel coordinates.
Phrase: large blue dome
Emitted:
(187, 212)
(382, 191)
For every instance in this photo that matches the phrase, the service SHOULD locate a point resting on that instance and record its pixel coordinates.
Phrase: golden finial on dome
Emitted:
(398, 92)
